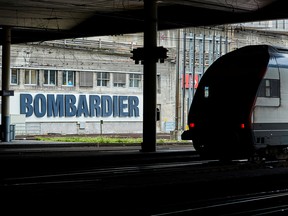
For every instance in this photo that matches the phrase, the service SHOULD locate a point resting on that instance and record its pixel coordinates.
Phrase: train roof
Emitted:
(281, 53)
(271, 48)
(279, 49)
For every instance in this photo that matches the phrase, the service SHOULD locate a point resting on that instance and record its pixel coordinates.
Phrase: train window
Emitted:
(269, 88)
(260, 140)
(275, 88)
(206, 91)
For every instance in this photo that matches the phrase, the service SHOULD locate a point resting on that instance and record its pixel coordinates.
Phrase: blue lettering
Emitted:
(70, 108)
(65, 105)
(133, 108)
(106, 106)
(82, 106)
(39, 105)
(94, 101)
(115, 106)
(123, 106)
(55, 107)
(25, 104)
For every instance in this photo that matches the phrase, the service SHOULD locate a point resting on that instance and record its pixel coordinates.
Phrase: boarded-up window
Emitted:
(86, 79)
(119, 79)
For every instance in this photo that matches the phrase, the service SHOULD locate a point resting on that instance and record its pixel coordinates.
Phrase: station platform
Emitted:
(37, 145)
(20, 151)
(22, 158)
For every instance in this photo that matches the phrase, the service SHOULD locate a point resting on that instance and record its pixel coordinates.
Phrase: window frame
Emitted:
(31, 76)
(135, 82)
(17, 76)
(49, 83)
(269, 88)
(66, 78)
(100, 79)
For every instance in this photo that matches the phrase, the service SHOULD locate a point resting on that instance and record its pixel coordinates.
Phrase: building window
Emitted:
(31, 76)
(119, 80)
(134, 80)
(68, 78)
(158, 84)
(50, 77)
(14, 76)
(86, 79)
(103, 78)
(269, 88)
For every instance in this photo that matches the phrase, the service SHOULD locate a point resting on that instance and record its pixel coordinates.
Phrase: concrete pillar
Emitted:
(5, 115)
(150, 74)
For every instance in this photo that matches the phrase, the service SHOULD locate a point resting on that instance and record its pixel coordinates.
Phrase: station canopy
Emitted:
(40, 20)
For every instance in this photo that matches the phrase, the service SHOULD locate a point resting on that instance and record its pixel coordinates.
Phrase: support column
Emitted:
(177, 92)
(5, 115)
(149, 89)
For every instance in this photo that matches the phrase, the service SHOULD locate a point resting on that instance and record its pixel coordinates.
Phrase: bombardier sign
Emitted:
(80, 106)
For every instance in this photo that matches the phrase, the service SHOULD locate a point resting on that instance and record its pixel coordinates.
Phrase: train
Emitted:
(240, 107)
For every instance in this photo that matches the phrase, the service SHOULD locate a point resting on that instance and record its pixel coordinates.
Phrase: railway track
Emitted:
(136, 185)
(133, 165)
(263, 203)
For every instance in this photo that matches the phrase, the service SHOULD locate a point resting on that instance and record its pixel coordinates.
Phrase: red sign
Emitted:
(188, 80)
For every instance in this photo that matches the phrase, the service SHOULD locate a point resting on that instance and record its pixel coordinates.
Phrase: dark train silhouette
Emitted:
(240, 108)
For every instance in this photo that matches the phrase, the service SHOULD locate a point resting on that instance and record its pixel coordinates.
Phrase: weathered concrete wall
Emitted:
(112, 54)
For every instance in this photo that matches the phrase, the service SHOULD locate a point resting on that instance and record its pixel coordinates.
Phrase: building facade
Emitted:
(79, 86)
(92, 86)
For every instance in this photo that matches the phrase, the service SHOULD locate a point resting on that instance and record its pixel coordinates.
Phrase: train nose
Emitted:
(186, 135)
